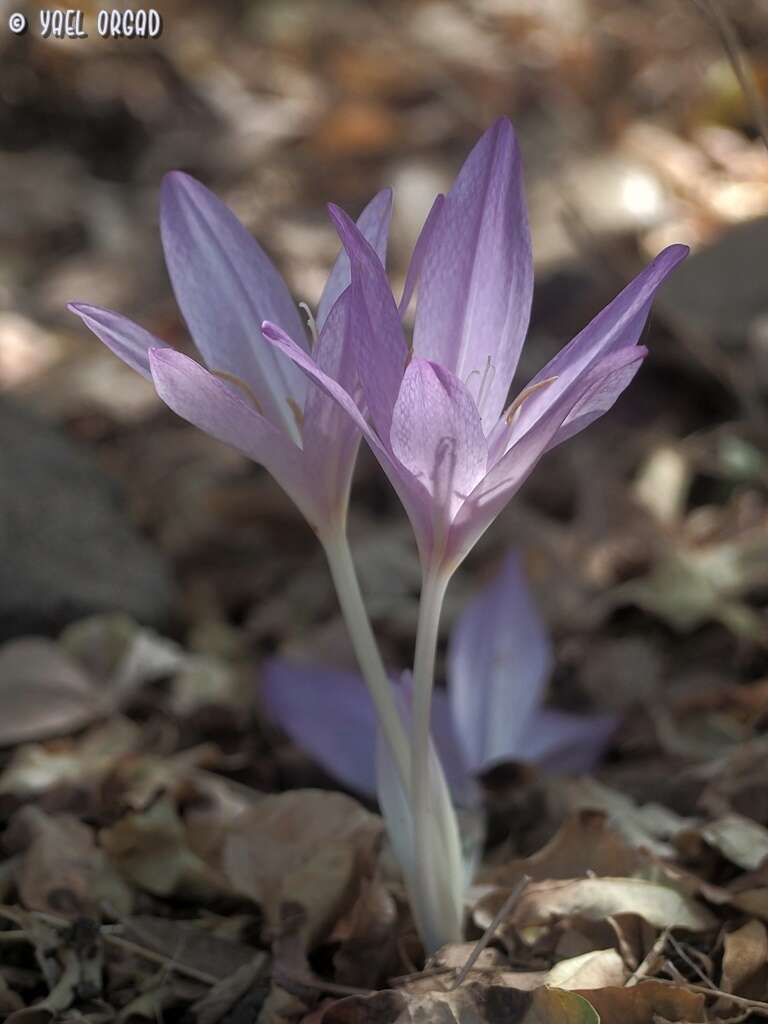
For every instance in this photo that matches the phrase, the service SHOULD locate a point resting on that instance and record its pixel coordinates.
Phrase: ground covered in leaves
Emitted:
(167, 854)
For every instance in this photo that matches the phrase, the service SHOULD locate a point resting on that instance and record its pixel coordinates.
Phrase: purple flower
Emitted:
(499, 663)
(247, 394)
(436, 413)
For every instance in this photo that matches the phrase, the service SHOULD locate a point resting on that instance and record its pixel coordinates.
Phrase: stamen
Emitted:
(488, 374)
(311, 323)
(232, 378)
(298, 412)
(514, 410)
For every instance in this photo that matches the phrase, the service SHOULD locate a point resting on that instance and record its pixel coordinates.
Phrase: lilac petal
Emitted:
(329, 714)
(225, 286)
(223, 411)
(561, 743)
(477, 278)
(420, 250)
(619, 325)
(512, 470)
(437, 435)
(373, 224)
(499, 661)
(330, 437)
(381, 348)
(126, 339)
(414, 496)
(464, 789)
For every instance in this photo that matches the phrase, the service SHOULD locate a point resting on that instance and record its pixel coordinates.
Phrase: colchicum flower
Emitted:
(435, 412)
(250, 396)
(247, 394)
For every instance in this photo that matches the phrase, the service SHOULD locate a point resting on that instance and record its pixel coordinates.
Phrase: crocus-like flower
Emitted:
(435, 412)
(499, 663)
(437, 417)
(247, 394)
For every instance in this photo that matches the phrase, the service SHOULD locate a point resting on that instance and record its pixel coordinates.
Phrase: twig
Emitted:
(649, 960)
(685, 956)
(753, 1004)
(489, 932)
(137, 950)
(740, 63)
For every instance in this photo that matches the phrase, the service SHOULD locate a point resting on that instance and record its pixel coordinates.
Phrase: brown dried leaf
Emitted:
(62, 871)
(745, 960)
(649, 1002)
(43, 692)
(740, 840)
(151, 849)
(302, 847)
(596, 899)
(470, 1004)
(584, 844)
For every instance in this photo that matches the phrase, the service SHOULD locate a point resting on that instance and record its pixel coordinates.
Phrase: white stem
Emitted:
(367, 652)
(443, 926)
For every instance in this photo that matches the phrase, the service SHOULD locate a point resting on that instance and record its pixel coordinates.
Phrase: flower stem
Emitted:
(431, 808)
(366, 649)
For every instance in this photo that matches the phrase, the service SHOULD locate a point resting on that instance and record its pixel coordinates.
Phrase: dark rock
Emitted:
(66, 547)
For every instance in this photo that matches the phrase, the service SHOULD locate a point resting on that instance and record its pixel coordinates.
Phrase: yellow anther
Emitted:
(514, 410)
(232, 378)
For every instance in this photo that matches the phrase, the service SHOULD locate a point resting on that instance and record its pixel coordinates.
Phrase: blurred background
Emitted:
(646, 537)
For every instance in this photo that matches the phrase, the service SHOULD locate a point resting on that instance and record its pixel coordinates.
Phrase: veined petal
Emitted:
(373, 224)
(618, 325)
(420, 250)
(477, 278)
(328, 713)
(316, 705)
(437, 435)
(127, 340)
(226, 285)
(499, 662)
(380, 343)
(562, 743)
(412, 493)
(510, 472)
(330, 437)
(225, 412)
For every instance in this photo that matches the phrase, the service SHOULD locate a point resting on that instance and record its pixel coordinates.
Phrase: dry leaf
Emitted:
(471, 1004)
(650, 1002)
(739, 839)
(43, 692)
(62, 871)
(595, 899)
(745, 961)
(301, 847)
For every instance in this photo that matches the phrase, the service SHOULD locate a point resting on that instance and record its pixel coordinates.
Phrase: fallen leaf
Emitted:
(650, 1002)
(43, 692)
(62, 871)
(470, 1004)
(301, 847)
(595, 899)
(745, 961)
(151, 849)
(584, 844)
(740, 840)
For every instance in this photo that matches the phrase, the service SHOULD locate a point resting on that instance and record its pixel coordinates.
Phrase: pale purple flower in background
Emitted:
(436, 413)
(246, 393)
(499, 664)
